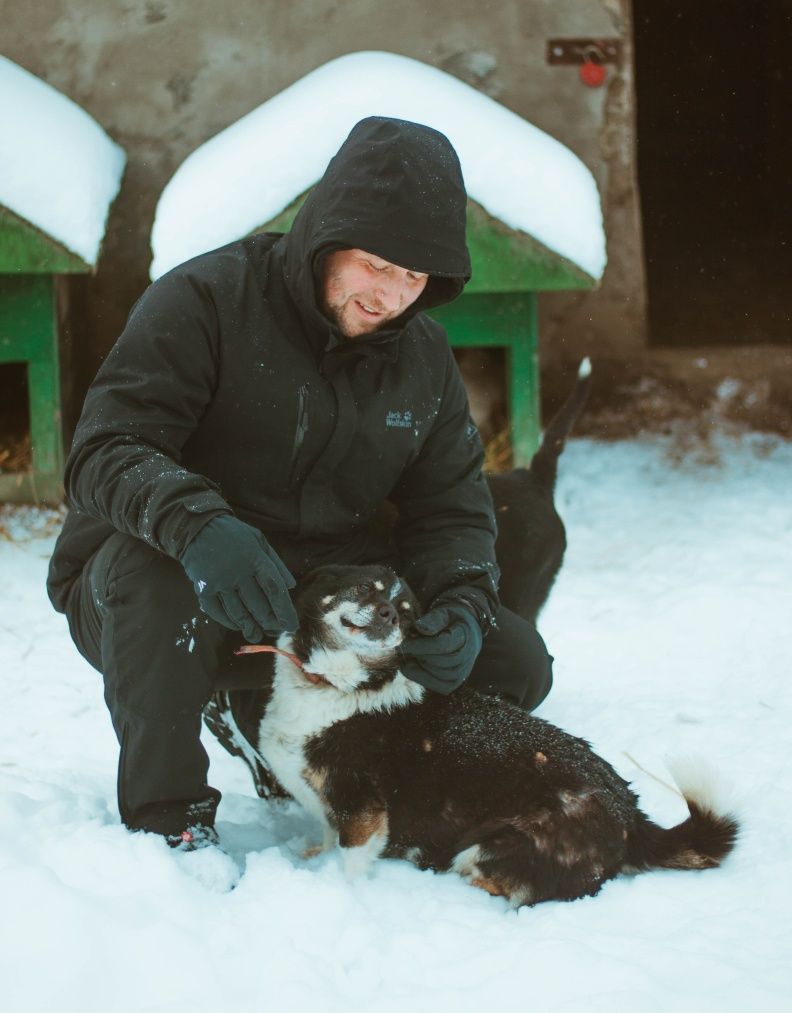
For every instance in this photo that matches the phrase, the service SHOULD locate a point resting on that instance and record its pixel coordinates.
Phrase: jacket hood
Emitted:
(395, 189)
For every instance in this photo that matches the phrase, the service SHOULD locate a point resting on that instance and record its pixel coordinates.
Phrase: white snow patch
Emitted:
(703, 784)
(252, 170)
(670, 628)
(59, 170)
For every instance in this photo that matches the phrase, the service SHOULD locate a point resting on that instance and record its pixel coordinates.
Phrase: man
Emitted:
(261, 405)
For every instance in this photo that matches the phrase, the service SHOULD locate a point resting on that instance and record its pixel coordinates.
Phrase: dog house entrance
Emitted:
(15, 456)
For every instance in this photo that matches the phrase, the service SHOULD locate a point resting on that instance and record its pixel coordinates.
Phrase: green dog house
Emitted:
(534, 218)
(30, 266)
(60, 176)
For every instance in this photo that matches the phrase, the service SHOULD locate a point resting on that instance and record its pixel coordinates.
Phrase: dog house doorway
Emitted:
(714, 109)
(15, 456)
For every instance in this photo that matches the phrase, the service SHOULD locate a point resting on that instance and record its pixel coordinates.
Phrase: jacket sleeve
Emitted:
(151, 391)
(446, 528)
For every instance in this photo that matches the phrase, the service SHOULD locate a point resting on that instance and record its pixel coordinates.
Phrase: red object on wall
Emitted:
(592, 74)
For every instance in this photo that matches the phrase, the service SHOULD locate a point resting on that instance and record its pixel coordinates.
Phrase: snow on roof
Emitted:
(247, 174)
(59, 170)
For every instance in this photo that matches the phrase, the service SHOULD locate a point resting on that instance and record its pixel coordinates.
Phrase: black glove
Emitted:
(240, 582)
(442, 647)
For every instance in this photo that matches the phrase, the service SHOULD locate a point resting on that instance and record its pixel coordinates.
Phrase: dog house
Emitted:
(534, 217)
(30, 264)
(60, 175)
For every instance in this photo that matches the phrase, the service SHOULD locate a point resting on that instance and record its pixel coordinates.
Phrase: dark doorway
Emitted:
(714, 107)
(14, 418)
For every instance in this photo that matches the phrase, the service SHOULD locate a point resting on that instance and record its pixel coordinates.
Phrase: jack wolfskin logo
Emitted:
(401, 420)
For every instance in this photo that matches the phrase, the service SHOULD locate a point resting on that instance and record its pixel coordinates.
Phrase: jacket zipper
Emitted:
(301, 430)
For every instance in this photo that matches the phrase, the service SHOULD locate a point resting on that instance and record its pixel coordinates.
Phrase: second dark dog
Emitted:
(531, 536)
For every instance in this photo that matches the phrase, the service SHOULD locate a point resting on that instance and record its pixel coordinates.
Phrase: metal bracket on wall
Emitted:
(578, 51)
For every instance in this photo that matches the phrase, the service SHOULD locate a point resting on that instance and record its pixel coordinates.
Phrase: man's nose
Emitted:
(390, 293)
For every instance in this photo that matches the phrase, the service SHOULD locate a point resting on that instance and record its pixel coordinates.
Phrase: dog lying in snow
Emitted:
(465, 782)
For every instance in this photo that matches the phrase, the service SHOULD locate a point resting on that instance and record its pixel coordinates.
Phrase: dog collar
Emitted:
(317, 680)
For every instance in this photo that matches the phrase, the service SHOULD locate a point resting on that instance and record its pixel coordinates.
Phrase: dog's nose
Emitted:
(387, 615)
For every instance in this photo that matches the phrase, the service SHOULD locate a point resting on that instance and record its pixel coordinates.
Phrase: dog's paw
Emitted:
(329, 841)
(358, 861)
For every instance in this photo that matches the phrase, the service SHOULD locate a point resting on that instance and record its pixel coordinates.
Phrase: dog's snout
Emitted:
(387, 615)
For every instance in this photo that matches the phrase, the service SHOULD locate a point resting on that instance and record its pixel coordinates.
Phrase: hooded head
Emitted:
(395, 190)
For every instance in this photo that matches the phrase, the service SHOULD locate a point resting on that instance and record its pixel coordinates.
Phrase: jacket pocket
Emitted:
(300, 430)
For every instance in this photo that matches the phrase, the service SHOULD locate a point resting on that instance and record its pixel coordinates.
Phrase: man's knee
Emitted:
(540, 682)
(125, 561)
(154, 646)
(514, 662)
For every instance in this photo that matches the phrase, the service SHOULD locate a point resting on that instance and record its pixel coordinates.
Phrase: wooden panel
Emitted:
(24, 249)
(30, 488)
(26, 318)
(510, 322)
(504, 259)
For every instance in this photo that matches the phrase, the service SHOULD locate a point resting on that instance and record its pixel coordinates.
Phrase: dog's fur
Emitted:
(466, 782)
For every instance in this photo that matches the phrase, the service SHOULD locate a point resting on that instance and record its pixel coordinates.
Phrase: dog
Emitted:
(531, 538)
(465, 783)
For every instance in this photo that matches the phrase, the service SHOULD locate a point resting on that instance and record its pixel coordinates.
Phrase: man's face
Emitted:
(363, 292)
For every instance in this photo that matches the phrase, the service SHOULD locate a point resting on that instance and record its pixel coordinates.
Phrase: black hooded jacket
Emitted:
(230, 391)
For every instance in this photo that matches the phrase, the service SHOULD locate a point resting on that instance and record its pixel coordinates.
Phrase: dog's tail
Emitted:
(701, 841)
(544, 464)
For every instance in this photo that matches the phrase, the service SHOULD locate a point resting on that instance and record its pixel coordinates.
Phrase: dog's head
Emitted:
(366, 608)
(351, 622)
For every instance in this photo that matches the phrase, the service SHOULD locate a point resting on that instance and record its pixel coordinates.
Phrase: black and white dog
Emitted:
(465, 782)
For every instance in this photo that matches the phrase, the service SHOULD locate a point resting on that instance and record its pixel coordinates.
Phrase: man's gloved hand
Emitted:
(442, 647)
(240, 581)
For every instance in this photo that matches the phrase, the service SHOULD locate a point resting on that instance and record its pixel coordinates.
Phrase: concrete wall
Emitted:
(162, 76)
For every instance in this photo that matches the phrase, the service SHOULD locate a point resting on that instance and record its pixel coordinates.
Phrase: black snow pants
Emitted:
(134, 616)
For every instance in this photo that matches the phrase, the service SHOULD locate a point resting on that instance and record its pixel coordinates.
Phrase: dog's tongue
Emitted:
(351, 626)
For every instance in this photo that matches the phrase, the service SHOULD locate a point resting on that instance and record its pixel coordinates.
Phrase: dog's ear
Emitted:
(311, 584)
(322, 580)
(306, 582)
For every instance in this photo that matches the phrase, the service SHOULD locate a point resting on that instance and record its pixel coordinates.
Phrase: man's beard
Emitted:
(335, 314)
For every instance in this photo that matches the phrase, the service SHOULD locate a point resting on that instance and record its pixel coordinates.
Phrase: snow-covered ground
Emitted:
(672, 629)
